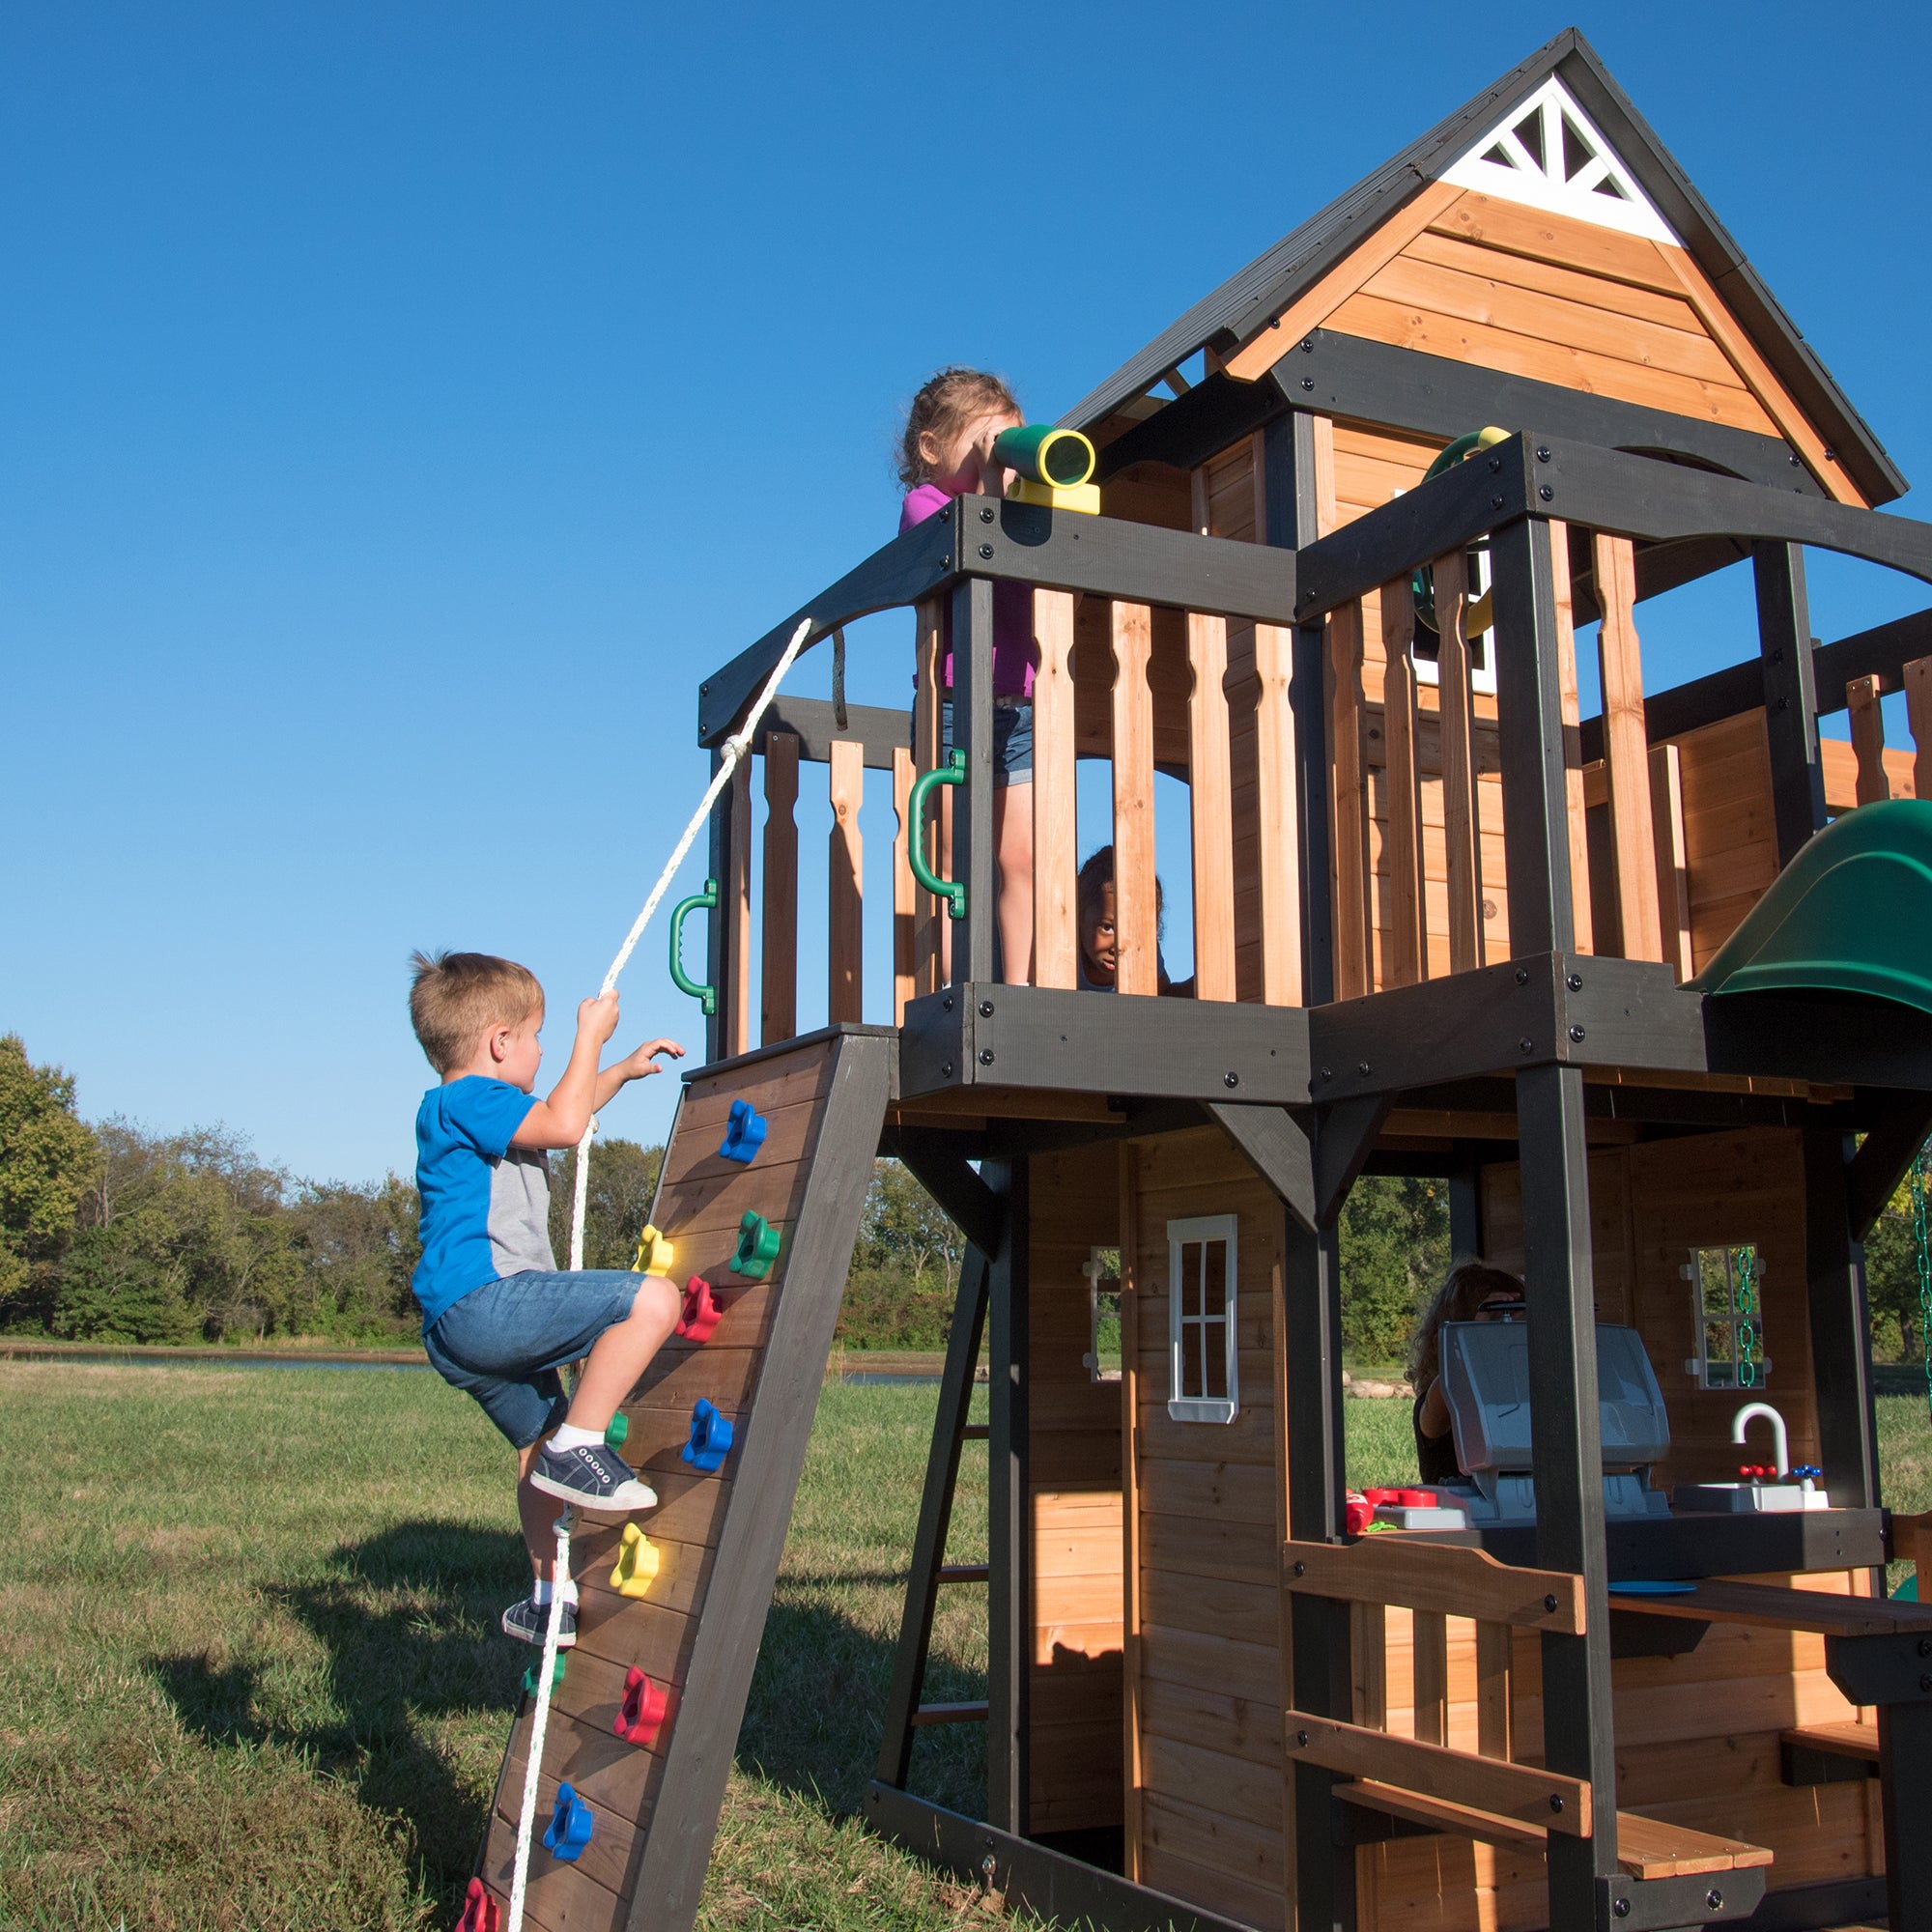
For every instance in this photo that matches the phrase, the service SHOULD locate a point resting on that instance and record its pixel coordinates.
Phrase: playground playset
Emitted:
(1648, 991)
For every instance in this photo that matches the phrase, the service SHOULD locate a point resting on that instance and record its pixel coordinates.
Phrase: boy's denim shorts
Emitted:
(1012, 738)
(505, 1342)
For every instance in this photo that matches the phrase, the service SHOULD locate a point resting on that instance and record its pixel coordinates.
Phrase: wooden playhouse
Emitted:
(1442, 924)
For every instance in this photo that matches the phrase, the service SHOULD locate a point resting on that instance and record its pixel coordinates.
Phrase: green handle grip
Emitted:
(704, 902)
(952, 773)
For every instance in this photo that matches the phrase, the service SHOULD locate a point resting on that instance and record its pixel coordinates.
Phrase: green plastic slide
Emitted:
(1851, 914)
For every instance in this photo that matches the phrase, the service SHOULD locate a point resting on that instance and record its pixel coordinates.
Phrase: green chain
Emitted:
(1745, 1304)
(1921, 1236)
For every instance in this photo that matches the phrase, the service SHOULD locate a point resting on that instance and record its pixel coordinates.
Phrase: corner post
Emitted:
(716, 952)
(1790, 696)
(972, 734)
(1529, 705)
(1317, 1633)
(1009, 1517)
(1566, 1453)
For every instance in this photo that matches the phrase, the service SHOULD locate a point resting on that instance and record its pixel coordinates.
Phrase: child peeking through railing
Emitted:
(1100, 936)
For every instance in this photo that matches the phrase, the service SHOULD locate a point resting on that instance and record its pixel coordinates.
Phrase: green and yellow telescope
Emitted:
(1055, 466)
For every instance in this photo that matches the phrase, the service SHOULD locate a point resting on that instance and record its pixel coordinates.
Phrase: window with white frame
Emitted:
(1727, 1317)
(1203, 1264)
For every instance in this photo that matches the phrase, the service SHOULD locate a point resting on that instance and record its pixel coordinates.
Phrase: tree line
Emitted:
(109, 1231)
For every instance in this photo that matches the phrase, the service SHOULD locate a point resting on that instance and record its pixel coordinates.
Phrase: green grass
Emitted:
(250, 1675)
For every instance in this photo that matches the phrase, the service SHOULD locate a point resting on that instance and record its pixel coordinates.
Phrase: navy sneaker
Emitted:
(593, 1476)
(531, 1621)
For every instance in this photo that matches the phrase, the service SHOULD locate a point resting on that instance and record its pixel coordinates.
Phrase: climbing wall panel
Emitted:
(718, 1536)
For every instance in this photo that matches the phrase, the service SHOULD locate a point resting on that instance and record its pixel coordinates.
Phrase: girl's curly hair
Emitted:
(945, 402)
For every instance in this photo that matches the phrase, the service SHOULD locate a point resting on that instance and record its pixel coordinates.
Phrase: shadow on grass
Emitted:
(408, 1622)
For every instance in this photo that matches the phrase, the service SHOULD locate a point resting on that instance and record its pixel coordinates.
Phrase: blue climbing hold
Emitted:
(745, 1135)
(570, 1829)
(710, 1438)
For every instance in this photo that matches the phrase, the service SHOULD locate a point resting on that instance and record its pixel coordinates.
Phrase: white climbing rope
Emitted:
(736, 748)
(527, 1821)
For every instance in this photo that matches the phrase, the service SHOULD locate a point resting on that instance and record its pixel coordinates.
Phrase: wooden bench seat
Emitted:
(1836, 1753)
(1647, 1848)
(1846, 1740)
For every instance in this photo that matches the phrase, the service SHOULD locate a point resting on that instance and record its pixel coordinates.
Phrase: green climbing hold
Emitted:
(1852, 913)
(620, 1427)
(757, 1248)
(530, 1676)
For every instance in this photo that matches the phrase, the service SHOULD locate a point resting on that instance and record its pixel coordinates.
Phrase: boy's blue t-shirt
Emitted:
(485, 1204)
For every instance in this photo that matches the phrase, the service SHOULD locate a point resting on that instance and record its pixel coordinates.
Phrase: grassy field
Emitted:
(250, 1675)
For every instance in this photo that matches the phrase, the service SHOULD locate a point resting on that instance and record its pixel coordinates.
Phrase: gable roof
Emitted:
(1246, 301)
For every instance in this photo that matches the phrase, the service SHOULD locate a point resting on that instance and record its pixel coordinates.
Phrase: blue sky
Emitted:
(404, 404)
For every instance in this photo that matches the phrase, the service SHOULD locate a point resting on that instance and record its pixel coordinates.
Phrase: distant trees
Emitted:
(1395, 1248)
(905, 1267)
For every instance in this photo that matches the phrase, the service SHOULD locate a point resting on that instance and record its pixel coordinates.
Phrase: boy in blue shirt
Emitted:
(499, 1319)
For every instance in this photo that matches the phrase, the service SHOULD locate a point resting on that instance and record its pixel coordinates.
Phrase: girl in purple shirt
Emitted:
(948, 452)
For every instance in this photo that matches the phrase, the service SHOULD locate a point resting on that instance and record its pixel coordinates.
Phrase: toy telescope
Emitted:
(1054, 465)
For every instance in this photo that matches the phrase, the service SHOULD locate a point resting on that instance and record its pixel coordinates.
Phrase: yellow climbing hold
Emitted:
(636, 1564)
(655, 1254)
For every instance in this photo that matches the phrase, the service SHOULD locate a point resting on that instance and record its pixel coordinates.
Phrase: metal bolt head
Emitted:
(946, 1003)
(1577, 1034)
(1362, 1069)
(1230, 1078)
(1495, 466)
(945, 1067)
(1523, 1044)
(1543, 452)
(1574, 981)
(1327, 1073)
(1495, 503)
(1301, 1738)
(985, 1010)
(1925, 1646)
(1548, 495)
(1926, 1683)
(1308, 383)
(1550, 1602)
(986, 1056)
(1300, 1567)
(987, 515)
(1556, 1801)
(1522, 976)
(1715, 1899)
(987, 1865)
(987, 551)
(1621, 1908)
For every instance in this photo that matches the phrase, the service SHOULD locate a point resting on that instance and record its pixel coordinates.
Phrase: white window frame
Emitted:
(1737, 1319)
(1202, 1229)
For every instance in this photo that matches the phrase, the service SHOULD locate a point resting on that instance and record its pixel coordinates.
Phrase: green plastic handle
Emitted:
(952, 773)
(704, 902)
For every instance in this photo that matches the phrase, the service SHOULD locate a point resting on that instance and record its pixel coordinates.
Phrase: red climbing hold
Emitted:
(480, 1911)
(701, 1314)
(642, 1709)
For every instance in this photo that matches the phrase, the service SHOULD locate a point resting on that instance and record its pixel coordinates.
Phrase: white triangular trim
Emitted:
(1600, 190)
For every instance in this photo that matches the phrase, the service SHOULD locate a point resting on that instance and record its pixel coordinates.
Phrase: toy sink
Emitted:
(1747, 1498)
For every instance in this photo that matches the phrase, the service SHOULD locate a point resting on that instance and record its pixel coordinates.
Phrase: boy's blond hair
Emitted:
(455, 998)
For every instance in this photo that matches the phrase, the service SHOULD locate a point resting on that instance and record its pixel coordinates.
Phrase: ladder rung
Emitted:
(953, 1713)
(975, 1431)
(963, 1573)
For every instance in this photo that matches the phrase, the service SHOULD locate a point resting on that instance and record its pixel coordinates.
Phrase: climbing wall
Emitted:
(718, 1536)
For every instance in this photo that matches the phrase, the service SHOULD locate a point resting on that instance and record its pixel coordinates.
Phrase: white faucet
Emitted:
(1780, 1440)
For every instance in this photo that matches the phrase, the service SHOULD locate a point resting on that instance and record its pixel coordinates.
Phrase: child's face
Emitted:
(963, 462)
(1099, 945)
(517, 1050)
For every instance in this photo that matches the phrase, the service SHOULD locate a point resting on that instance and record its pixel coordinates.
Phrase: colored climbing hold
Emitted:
(638, 1563)
(530, 1677)
(757, 1247)
(745, 1135)
(615, 1430)
(480, 1910)
(570, 1829)
(642, 1709)
(710, 1438)
(701, 1314)
(654, 1253)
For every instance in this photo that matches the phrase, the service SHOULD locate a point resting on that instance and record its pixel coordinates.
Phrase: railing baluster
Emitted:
(1277, 822)
(1868, 740)
(1135, 914)
(1431, 1666)
(736, 913)
(1673, 861)
(1406, 959)
(1572, 750)
(929, 949)
(1348, 830)
(1368, 1653)
(1210, 806)
(972, 734)
(1496, 1663)
(1625, 748)
(1918, 718)
(1458, 765)
(845, 886)
(905, 889)
(780, 1008)
(1056, 945)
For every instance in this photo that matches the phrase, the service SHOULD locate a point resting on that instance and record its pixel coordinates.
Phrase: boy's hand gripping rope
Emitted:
(736, 748)
(519, 1872)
